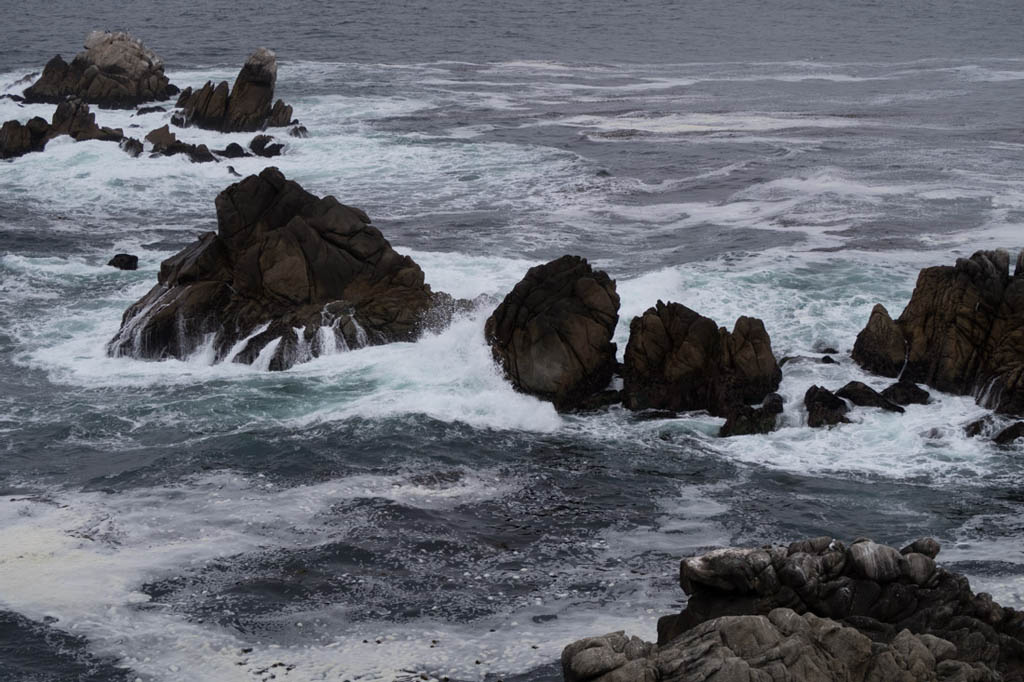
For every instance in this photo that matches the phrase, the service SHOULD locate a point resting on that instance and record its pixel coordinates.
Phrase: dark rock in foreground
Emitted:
(124, 261)
(906, 393)
(72, 117)
(114, 71)
(679, 360)
(1009, 434)
(859, 393)
(963, 331)
(552, 334)
(166, 143)
(745, 420)
(286, 277)
(248, 106)
(824, 408)
(817, 611)
(880, 347)
(265, 146)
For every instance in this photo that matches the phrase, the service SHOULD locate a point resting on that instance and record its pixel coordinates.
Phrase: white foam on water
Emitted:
(674, 123)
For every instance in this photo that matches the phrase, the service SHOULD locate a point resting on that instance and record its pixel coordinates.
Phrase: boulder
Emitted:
(816, 611)
(166, 143)
(880, 348)
(233, 151)
(246, 107)
(745, 420)
(132, 146)
(552, 334)
(1009, 434)
(287, 276)
(678, 360)
(124, 261)
(72, 117)
(906, 393)
(114, 71)
(824, 408)
(299, 131)
(859, 393)
(17, 139)
(266, 146)
(963, 330)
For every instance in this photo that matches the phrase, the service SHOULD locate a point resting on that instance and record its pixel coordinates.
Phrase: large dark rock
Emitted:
(166, 143)
(824, 408)
(287, 275)
(679, 360)
(859, 393)
(552, 334)
(964, 331)
(72, 117)
(247, 107)
(114, 71)
(817, 611)
(1009, 434)
(880, 348)
(265, 146)
(906, 393)
(745, 420)
(17, 139)
(124, 261)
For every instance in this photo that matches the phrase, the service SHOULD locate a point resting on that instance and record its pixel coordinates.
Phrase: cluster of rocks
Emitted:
(118, 71)
(247, 107)
(825, 408)
(816, 611)
(287, 274)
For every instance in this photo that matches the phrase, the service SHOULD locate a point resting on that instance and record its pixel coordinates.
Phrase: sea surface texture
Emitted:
(400, 511)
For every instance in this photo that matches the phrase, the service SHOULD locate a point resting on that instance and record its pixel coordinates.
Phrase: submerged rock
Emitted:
(115, 71)
(859, 393)
(248, 106)
(816, 611)
(166, 143)
(745, 420)
(906, 393)
(552, 334)
(266, 146)
(286, 277)
(676, 359)
(1009, 434)
(124, 261)
(963, 330)
(824, 408)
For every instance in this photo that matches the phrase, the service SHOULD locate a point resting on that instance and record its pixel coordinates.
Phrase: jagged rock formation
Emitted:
(817, 611)
(963, 331)
(679, 360)
(114, 71)
(247, 107)
(859, 393)
(71, 118)
(552, 334)
(166, 143)
(824, 408)
(286, 277)
(265, 146)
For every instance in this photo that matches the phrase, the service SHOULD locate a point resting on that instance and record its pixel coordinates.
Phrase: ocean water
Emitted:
(399, 511)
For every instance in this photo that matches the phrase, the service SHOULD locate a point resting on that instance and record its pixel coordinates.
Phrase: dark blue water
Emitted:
(399, 511)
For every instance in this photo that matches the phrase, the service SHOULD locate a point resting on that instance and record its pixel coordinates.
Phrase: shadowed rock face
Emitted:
(552, 333)
(963, 331)
(114, 71)
(816, 611)
(679, 360)
(247, 107)
(287, 274)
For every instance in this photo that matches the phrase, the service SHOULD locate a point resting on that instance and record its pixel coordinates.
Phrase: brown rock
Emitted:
(824, 408)
(552, 333)
(17, 139)
(880, 347)
(679, 360)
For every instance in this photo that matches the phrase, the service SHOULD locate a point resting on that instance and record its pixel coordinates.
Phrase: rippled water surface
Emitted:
(399, 510)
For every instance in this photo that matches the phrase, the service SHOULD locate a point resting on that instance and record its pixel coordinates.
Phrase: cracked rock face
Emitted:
(552, 335)
(286, 277)
(114, 71)
(817, 611)
(962, 332)
(677, 359)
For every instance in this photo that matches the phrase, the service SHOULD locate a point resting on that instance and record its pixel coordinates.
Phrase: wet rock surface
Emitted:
(124, 261)
(551, 335)
(677, 359)
(859, 393)
(286, 277)
(72, 118)
(745, 420)
(114, 70)
(819, 611)
(824, 408)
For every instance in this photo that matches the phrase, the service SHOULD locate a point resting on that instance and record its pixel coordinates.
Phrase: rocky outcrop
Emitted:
(678, 360)
(124, 261)
(824, 408)
(745, 420)
(552, 334)
(817, 611)
(114, 71)
(906, 393)
(71, 118)
(286, 277)
(880, 347)
(247, 107)
(859, 393)
(963, 330)
(166, 143)
(265, 146)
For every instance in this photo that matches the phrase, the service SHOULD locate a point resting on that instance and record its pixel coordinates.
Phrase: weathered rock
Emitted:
(816, 611)
(149, 110)
(552, 333)
(880, 348)
(17, 139)
(131, 146)
(245, 108)
(906, 393)
(964, 331)
(745, 420)
(72, 117)
(824, 408)
(679, 360)
(265, 145)
(166, 143)
(115, 71)
(286, 277)
(233, 151)
(124, 261)
(859, 393)
(299, 131)
(1009, 434)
